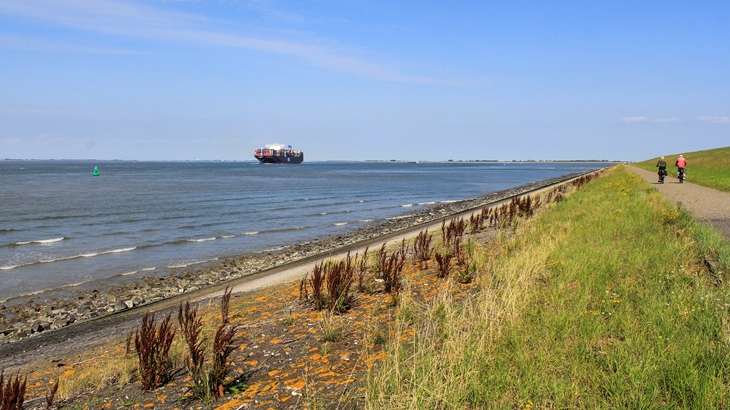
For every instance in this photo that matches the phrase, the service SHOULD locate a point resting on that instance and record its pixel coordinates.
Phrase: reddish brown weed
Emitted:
(153, 347)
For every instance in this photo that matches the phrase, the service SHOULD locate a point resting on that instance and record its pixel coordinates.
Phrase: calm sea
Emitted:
(60, 226)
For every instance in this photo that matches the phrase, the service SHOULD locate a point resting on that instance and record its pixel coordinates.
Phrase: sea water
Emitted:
(61, 226)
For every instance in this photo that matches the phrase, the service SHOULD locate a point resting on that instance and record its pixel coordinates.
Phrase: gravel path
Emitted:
(706, 204)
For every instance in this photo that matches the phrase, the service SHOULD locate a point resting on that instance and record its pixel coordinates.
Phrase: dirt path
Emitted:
(706, 204)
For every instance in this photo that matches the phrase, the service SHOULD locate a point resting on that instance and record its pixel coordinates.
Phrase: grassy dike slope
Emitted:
(710, 168)
(602, 301)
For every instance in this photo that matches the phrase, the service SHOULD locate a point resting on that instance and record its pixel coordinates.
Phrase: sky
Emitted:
(363, 79)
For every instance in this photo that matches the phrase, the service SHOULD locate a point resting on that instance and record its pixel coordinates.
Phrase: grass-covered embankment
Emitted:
(603, 301)
(710, 168)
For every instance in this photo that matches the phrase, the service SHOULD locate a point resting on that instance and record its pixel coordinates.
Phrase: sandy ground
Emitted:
(705, 204)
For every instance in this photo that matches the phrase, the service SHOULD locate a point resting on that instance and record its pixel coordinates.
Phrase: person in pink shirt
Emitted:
(681, 163)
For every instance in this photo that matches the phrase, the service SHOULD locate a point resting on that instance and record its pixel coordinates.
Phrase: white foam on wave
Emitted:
(406, 205)
(67, 258)
(202, 240)
(251, 233)
(340, 223)
(39, 241)
(92, 254)
(228, 236)
(120, 250)
(365, 220)
(427, 203)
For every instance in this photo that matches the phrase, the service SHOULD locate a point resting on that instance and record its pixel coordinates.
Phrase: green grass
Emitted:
(710, 168)
(602, 301)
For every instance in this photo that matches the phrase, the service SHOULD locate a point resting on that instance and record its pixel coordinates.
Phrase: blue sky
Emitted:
(363, 79)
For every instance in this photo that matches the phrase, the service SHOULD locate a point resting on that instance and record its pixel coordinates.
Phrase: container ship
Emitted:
(278, 154)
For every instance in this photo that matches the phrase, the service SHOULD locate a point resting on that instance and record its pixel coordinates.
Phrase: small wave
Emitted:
(39, 241)
(129, 273)
(406, 205)
(427, 203)
(148, 269)
(119, 250)
(185, 265)
(340, 223)
(228, 236)
(366, 220)
(360, 202)
(67, 258)
(251, 233)
(202, 240)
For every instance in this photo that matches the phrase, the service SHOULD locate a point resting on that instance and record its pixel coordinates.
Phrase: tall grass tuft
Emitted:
(340, 277)
(12, 392)
(392, 271)
(443, 260)
(191, 327)
(422, 248)
(313, 289)
(153, 346)
(224, 344)
(331, 284)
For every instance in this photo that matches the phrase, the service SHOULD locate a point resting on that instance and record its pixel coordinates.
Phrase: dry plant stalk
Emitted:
(422, 248)
(153, 348)
(362, 267)
(191, 326)
(12, 393)
(391, 274)
(223, 346)
(317, 284)
(444, 262)
(51, 395)
(339, 278)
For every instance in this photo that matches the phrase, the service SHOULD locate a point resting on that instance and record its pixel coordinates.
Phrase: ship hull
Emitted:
(281, 160)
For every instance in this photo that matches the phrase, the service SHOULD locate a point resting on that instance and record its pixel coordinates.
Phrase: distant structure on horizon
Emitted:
(278, 154)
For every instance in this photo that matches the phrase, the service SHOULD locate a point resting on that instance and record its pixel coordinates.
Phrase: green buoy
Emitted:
(96, 171)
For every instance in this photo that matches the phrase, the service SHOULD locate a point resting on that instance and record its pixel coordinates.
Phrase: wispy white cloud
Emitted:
(635, 119)
(714, 120)
(642, 118)
(140, 21)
